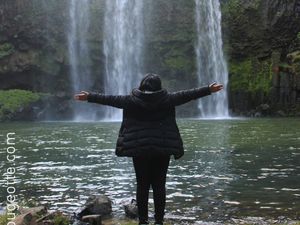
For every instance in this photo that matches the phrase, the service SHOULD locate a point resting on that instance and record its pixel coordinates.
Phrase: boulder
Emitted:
(39, 210)
(92, 219)
(131, 209)
(96, 205)
(281, 113)
(40, 216)
(24, 219)
(257, 114)
(262, 110)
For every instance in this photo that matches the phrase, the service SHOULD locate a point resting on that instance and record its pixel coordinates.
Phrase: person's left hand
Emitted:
(215, 87)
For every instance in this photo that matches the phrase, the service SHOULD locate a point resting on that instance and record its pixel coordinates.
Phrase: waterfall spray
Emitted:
(79, 55)
(123, 48)
(211, 65)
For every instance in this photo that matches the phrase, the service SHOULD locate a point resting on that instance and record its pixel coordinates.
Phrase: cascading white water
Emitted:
(79, 59)
(123, 48)
(211, 65)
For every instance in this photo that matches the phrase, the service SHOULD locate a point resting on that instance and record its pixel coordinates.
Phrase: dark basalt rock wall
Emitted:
(261, 43)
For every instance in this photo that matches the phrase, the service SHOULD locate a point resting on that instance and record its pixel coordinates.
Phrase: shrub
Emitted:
(12, 100)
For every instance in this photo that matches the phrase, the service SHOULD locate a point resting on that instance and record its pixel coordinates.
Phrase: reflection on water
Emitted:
(230, 167)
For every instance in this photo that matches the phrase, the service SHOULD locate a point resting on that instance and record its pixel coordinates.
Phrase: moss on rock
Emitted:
(251, 76)
(48, 64)
(6, 49)
(13, 100)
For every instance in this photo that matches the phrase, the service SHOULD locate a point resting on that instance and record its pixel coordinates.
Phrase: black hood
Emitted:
(150, 99)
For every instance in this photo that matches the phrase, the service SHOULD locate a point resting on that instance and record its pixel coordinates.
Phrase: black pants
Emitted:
(151, 171)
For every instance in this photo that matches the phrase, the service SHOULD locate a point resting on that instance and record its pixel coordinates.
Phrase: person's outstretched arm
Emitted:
(118, 101)
(182, 97)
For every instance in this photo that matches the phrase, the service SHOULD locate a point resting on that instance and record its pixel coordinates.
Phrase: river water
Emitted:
(231, 168)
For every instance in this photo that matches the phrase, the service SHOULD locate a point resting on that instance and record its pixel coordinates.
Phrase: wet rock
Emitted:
(40, 216)
(257, 114)
(280, 113)
(61, 94)
(263, 221)
(53, 218)
(252, 220)
(23, 47)
(24, 219)
(250, 113)
(264, 107)
(96, 205)
(92, 219)
(263, 110)
(131, 210)
(35, 211)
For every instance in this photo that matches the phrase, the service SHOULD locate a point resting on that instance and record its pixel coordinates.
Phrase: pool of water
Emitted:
(231, 168)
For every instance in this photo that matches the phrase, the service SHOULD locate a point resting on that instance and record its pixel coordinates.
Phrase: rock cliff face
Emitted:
(30, 56)
(34, 51)
(261, 41)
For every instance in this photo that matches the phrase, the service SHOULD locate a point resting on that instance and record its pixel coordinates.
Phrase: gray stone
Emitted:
(92, 219)
(257, 114)
(29, 216)
(281, 113)
(252, 220)
(131, 210)
(40, 210)
(23, 47)
(96, 205)
(265, 107)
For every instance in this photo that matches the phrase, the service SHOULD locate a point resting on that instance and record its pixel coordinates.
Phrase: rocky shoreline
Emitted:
(98, 211)
(40, 216)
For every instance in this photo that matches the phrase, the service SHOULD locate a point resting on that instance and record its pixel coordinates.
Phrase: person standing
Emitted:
(149, 134)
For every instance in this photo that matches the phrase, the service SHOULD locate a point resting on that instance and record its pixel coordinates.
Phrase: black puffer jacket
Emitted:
(149, 126)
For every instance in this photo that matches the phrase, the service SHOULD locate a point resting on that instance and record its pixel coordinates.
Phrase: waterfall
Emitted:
(79, 53)
(123, 48)
(211, 65)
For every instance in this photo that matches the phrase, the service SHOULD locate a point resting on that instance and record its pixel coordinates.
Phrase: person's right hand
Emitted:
(82, 96)
(215, 87)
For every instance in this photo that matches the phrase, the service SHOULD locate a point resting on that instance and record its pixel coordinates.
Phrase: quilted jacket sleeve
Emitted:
(118, 101)
(182, 97)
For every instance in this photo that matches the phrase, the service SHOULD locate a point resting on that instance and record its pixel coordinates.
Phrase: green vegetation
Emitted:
(48, 61)
(233, 8)
(3, 219)
(6, 49)
(177, 63)
(28, 203)
(294, 58)
(298, 36)
(177, 56)
(251, 76)
(12, 100)
(61, 220)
